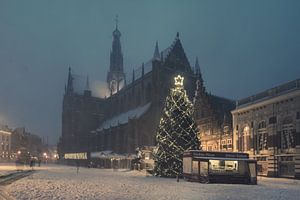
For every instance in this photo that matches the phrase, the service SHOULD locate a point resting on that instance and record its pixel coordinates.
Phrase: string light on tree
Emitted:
(177, 132)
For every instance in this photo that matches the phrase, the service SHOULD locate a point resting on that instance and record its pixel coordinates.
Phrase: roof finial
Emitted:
(117, 21)
(177, 35)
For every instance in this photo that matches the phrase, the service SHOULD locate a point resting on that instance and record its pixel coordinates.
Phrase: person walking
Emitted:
(77, 166)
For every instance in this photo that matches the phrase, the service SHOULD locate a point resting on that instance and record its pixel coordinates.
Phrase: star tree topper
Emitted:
(179, 81)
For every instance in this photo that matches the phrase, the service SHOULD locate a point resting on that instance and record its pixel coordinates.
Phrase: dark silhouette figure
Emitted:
(77, 166)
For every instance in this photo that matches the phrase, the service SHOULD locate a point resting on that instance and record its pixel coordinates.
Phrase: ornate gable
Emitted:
(176, 57)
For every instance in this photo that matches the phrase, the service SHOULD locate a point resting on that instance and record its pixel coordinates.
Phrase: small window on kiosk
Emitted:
(195, 167)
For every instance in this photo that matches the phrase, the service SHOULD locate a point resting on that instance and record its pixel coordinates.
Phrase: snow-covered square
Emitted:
(63, 182)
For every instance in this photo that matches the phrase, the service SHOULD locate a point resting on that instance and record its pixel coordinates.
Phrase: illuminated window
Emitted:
(223, 166)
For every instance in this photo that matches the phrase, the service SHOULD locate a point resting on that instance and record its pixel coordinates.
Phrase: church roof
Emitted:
(124, 117)
(168, 54)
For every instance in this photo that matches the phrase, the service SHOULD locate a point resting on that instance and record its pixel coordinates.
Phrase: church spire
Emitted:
(116, 75)
(156, 55)
(116, 55)
(197, 66)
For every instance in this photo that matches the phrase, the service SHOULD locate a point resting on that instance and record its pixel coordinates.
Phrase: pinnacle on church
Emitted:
(69, 88)
(200, 88)
(198, 71)
(156, 55)
(87, 86)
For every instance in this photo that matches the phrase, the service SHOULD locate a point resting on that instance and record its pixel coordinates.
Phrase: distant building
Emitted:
(5, 144)
(129, 116)
(25, 141)
(267, 126)
(213, 117)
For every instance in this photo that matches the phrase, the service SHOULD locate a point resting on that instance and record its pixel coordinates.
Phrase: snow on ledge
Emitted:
(123, 118)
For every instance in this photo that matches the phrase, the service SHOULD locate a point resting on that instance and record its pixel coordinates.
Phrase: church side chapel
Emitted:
(129, 117)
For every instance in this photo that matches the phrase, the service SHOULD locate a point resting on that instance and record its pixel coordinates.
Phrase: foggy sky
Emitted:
(244, 47)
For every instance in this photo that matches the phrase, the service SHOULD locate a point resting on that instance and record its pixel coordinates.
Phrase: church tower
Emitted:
(116, 75)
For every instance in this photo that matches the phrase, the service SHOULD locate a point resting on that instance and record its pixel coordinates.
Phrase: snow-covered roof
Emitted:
(123, 118)
(110, 154)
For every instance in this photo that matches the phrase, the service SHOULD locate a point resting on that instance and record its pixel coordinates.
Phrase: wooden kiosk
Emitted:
(219, 167)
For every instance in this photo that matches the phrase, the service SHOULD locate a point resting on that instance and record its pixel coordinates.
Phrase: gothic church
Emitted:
(129, 116)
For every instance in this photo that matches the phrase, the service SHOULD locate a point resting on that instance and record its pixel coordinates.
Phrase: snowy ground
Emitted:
(6, 168)
(62, 182)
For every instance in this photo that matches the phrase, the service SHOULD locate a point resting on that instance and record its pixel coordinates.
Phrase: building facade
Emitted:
(22, 140)
(213, 117)
(5, 144)
(129, 116)
(267, 126)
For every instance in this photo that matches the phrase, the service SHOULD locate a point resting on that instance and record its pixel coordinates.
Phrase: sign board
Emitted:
(76, 156)
(195, 153)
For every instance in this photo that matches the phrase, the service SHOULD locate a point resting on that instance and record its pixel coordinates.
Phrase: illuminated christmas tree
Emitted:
(177, 132)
